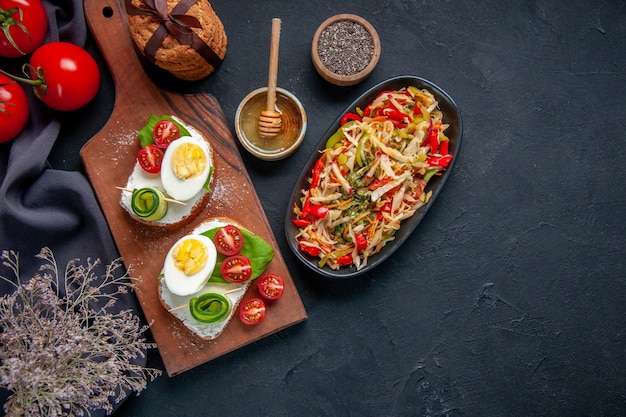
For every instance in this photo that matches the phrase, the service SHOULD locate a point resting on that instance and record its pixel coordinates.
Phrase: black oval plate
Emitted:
(451, 116)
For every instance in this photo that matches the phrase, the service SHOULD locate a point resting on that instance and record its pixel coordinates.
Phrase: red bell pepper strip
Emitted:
(318, 211)
(426, 140)
(377, 183)
(397, 124)
(317, 172)
(439, 161)
(360, 241)
(433, 138)
(386, 208)
(394, 114)
(345, 260)
(306, 206)
(349, 116)
(301, 222)
(396, 117)
(443, 147)
(312, 209)
(307, 248)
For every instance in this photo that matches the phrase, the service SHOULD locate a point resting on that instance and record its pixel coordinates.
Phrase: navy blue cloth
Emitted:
(45, 207)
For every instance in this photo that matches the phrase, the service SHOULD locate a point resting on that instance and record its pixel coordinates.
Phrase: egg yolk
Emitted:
(190, 256)
(188, 161)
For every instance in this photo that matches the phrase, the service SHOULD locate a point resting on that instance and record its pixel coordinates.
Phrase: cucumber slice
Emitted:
(149, 203)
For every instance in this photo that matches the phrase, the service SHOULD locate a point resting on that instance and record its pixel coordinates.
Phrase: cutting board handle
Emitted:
(107, 22)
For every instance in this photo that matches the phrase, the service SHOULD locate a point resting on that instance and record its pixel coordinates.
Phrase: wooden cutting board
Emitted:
(109, 158)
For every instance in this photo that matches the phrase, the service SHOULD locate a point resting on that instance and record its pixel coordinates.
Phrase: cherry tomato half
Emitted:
(69, 77)
(236, 268)
(14, 108)
(24, 26)
(164, 132)
(252, 312)
(150, 158)
(271, 286)
(228, 240)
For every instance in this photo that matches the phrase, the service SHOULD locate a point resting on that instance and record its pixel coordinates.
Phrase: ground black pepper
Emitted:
(345, 47)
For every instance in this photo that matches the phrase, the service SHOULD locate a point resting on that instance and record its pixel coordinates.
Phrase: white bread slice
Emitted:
(174, 303)
(177, 215)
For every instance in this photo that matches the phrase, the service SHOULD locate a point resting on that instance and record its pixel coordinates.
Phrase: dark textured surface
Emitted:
(510, 297)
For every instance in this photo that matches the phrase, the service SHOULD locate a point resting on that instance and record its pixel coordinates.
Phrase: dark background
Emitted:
(510, 297)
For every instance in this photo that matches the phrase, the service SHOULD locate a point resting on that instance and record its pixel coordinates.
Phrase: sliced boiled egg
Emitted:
(185, 168)
(189, 264)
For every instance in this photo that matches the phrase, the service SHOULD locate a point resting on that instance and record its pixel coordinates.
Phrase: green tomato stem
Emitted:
(39, 81)
(7, 20)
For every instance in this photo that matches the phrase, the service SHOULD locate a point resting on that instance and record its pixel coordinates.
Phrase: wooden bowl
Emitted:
(347, 77)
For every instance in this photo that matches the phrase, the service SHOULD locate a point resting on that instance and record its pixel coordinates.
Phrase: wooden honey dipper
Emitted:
(270, 120)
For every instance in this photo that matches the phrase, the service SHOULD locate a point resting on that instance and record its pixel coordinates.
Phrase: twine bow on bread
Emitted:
(176, 23)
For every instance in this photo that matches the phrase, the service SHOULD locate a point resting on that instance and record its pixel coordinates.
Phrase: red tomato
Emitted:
(236, 268)
(150, 158)
(24, 26)
(14, 108)
(252, 311)
(271, 286)
(69, 77)
(164, 133)
(228, 240)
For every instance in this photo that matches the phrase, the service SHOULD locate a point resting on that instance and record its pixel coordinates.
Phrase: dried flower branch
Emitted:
(62, 351)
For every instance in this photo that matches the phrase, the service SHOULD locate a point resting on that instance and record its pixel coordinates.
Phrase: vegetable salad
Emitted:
(372, 175)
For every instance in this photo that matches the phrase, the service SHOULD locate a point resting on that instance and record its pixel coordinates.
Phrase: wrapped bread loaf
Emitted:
(183, 37)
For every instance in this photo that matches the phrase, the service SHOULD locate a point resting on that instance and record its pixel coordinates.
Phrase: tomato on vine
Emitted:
(14, 109)
(63, 75)
(24, 25)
